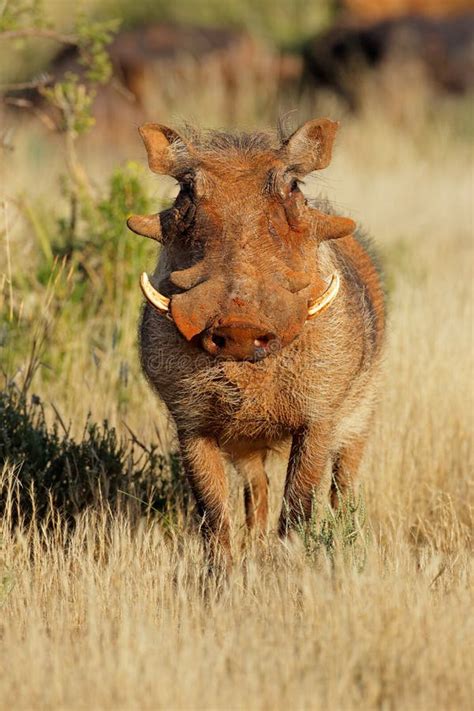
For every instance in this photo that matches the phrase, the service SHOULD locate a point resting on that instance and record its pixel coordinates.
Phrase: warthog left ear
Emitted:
(331, 226)
(168, 153)
(310, 147)
(146, 225)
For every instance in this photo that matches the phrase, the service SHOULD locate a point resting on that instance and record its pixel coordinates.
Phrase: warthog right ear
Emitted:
(331, 226)
(310, 147)
(168, 153)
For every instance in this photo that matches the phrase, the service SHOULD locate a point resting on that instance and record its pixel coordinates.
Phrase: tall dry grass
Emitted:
(122, 620)
(121, 616)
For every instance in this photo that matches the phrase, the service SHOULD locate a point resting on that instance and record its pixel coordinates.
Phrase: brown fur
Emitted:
(243, 254)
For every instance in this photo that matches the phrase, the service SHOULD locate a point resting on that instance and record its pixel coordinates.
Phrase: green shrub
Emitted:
(87, 266)
(102, 255)
(51, 472)
(337, 533)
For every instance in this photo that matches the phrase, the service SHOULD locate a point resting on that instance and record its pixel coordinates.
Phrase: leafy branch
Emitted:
(71, 97)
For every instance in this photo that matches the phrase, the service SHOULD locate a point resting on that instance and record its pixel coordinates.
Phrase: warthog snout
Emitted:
(239, 341)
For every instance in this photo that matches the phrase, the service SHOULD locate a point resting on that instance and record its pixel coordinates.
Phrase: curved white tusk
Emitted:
(160, 302)
(323, 301)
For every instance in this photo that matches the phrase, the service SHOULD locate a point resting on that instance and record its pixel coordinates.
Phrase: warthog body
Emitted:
(239, 361)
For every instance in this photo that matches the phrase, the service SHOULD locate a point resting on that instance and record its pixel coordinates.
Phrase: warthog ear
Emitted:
(168, 153)
(310, 147)
(331, 226)
(146, 225)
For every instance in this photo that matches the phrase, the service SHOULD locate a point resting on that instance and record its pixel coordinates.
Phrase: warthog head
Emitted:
(239, 269)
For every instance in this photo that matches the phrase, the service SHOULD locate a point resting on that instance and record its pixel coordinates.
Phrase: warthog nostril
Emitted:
(239, 341)
(261, 341)
(218, 341)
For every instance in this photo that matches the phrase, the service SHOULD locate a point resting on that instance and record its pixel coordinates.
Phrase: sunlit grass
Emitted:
(372, 608)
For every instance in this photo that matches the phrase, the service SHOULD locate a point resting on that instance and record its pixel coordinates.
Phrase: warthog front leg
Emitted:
(255, 490)
(345, 468)
(204, 467)
(308, 460)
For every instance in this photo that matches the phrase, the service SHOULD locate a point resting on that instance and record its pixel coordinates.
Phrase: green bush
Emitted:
(340, 533)
(50, 472)
(86, 267)
(102, 255)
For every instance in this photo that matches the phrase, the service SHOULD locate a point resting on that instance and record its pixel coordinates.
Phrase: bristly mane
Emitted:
(210, 141)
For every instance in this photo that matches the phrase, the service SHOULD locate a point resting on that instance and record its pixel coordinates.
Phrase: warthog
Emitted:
(264, 319)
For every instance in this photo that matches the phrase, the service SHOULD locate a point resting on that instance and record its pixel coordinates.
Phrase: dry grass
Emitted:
(124, 617)
(122, 620)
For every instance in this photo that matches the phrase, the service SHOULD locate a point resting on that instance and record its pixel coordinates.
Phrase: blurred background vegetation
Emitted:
(78, 78)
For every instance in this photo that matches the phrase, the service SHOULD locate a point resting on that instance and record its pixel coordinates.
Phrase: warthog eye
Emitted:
(186, 186)
(295, 186)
